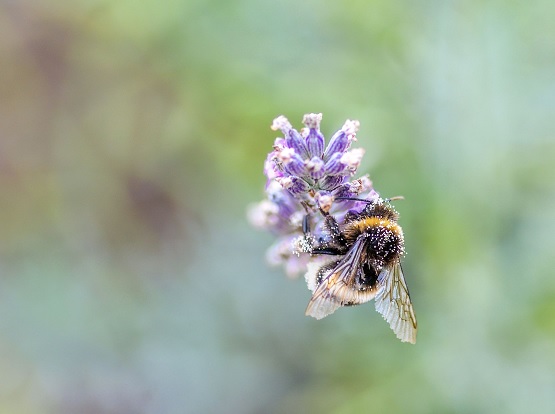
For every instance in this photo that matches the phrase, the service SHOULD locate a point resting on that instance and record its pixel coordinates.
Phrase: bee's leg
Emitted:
(330, 251)
(318, 246)
(334, 243)
(306, 224)
(331, 226)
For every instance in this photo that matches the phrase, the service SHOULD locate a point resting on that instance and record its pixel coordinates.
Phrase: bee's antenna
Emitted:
(355, 199)
(395, 198)
(370, 201)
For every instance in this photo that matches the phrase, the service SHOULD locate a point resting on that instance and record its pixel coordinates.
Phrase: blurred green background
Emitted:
(132, 138)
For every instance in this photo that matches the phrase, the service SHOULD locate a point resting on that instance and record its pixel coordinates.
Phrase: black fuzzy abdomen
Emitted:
(384, 246)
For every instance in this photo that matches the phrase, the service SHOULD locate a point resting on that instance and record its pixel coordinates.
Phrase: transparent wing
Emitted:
(337, 289)
(393, 302)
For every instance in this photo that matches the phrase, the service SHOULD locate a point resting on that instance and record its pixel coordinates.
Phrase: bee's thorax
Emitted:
(384, 239)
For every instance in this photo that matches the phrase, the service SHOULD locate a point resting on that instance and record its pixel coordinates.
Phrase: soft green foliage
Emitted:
(132, 138)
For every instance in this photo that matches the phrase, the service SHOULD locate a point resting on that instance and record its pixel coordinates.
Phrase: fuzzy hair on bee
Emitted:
(363, 262)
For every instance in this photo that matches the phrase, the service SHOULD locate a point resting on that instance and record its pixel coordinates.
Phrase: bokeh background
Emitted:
(132, 138)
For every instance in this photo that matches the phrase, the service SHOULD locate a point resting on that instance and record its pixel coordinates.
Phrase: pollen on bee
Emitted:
(303, 244)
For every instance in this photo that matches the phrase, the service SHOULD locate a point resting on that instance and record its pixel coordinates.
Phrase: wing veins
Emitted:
(394, 304)
(335, 290)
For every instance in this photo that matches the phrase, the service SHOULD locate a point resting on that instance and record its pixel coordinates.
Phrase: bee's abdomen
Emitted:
(384, 245)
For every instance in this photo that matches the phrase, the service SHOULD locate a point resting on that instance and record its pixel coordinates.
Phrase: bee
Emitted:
(365, 263)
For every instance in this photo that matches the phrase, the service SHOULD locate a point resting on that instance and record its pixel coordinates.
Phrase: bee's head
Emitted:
(376, 207)
(381, 208)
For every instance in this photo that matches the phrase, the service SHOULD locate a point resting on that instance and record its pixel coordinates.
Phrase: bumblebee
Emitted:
(365, 264)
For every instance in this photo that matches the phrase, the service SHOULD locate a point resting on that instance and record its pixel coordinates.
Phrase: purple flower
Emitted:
(305, 177)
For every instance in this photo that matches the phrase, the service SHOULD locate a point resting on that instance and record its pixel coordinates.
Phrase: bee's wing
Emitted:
(336, 288)
(393, 302)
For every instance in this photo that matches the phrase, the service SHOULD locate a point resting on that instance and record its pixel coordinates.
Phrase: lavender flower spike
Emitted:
(304, 177)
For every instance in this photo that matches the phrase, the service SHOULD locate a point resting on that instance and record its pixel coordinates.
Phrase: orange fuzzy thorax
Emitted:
(357, 227)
